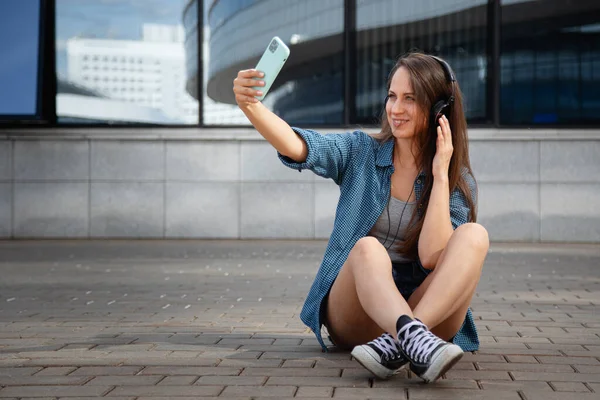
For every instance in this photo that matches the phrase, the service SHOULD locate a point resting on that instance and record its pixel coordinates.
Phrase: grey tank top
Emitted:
(383, 226)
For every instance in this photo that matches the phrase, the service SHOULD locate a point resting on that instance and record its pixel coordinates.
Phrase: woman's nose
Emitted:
(397, 107)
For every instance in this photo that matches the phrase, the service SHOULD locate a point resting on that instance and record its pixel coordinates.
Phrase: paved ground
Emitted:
(219, 319)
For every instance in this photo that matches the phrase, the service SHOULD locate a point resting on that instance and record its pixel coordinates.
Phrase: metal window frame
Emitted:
(200, 78)
(494, 21)
(48, 45)
(350, 55)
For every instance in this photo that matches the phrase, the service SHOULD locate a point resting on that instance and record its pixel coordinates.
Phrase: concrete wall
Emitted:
(189, 183)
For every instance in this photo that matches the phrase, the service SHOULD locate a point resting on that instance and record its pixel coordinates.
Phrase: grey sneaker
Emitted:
(430, 357)
(382, 356)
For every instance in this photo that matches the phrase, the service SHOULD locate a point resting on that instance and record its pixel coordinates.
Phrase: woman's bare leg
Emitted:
(442, 300)
(364, 301)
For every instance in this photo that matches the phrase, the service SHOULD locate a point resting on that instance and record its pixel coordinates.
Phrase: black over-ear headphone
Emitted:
(442, 106)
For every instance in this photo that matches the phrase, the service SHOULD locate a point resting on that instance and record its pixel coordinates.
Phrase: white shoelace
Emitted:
(388, 345)
(420, 342)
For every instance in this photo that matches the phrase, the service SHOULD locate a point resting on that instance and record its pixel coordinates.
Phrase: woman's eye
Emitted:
(391, 96)
(410, 98)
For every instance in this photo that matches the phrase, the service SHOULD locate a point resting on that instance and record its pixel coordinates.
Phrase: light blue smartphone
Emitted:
(271, 63)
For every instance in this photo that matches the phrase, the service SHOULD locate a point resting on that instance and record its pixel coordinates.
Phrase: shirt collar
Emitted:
(384, 154)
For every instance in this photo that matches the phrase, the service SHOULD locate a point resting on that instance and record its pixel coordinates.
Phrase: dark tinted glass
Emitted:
(550, 62)
(19, 49)
(452, 29)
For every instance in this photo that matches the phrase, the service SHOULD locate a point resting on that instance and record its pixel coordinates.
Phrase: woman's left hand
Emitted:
(444, 149)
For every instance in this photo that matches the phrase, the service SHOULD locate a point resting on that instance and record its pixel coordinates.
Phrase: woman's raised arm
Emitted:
(270, 126)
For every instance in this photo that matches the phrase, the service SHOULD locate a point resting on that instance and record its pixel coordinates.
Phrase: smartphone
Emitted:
(271, 62)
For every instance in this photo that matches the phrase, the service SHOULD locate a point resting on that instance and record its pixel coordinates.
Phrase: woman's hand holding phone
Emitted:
(244, 87)
(252, 85)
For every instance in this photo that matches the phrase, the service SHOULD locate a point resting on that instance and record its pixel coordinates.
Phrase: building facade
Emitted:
(529, 72)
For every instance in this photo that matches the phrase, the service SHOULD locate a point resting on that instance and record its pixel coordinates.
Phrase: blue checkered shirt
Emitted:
(362, 168)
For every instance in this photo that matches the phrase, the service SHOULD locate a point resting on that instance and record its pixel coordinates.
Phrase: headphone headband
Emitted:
(446, 68)
(449, 75)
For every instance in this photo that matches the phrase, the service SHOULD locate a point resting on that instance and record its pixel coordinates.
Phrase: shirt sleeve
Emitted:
(328, 155)
(460, 213)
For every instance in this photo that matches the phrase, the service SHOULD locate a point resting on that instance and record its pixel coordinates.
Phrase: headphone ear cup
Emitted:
(437, 111)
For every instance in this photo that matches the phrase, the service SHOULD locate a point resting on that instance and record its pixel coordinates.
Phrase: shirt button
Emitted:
(419, 181)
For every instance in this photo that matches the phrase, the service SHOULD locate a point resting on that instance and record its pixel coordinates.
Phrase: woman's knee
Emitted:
(366, 248)
(474, 235)
(368, 252)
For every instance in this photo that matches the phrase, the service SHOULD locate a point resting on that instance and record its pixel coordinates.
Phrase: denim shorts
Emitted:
(408, 276)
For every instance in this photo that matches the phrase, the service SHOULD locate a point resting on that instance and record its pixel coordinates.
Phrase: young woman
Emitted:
(405, 255)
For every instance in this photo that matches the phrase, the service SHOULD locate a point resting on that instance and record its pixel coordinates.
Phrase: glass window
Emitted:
(19, 49)
(550, 62)
(222, 10)
(128, 31)
(456, 30)
(309, 89)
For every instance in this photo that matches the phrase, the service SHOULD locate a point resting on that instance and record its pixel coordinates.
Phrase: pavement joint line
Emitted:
(587, 385)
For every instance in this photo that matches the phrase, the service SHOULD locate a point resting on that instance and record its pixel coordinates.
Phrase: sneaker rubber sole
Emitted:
(442, 362)
(369, 359)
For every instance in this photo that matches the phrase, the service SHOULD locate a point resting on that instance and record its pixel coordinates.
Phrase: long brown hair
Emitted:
(430, 84)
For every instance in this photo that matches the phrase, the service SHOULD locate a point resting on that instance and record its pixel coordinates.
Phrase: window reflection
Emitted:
(550, 62)
(222, 10)
(124, 61)
(309, 89)
(452, 29)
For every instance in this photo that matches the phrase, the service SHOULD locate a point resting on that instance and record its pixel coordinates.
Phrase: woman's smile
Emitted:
(398, 122)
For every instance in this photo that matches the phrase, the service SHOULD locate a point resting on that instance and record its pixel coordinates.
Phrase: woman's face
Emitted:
(402, 111)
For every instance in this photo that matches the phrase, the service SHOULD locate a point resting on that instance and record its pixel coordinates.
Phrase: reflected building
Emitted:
(78, 104)
(135, 75)
(213, 112)
(315, 64)
(549, 52)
